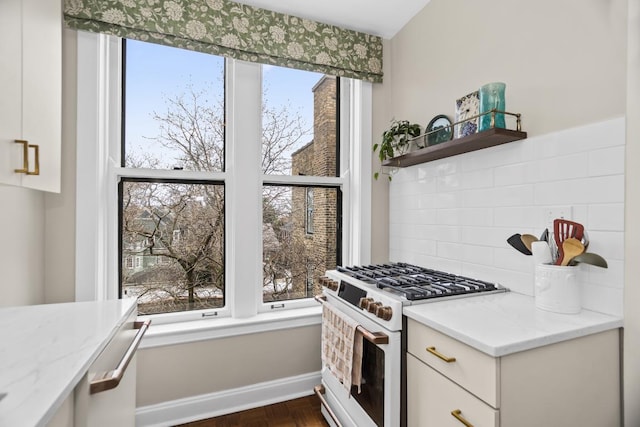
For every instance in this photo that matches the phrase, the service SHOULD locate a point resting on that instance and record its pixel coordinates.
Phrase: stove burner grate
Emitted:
(416, 283)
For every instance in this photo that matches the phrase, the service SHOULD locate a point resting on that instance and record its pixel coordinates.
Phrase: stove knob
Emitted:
(384, 313)
(373, 307)
(364, 303)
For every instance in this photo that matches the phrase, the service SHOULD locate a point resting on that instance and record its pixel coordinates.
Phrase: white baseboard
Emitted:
(226, 402)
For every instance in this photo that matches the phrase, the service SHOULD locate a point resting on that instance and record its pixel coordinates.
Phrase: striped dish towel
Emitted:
(341, 347)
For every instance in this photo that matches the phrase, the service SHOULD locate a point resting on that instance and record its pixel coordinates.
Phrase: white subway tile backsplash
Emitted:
(605, 189)
(514, 174)
(514, 195)
(476, 179)
(455, 214)
(602, 299)
(609, 161)
(563, 167)
(520, 218)
(606, 217)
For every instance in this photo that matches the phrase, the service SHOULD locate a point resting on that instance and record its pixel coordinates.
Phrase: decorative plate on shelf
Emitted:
(466, 107)
(438, 130)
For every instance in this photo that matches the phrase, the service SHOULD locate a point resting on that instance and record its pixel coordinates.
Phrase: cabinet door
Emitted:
(431, 399)
(31, 86)
(10, 89)
(42, 89)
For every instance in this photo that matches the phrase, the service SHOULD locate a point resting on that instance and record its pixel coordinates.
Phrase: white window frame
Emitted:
(98, 171)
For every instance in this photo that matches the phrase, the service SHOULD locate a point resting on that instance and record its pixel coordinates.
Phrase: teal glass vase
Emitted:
(492, 97)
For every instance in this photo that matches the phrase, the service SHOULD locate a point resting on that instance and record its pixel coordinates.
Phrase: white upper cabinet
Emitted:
(31, 93)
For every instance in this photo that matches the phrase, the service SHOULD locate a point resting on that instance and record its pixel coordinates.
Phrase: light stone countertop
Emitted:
(505, 323)
(46, 349)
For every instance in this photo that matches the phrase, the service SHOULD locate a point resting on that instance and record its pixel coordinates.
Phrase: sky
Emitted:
(155, 73)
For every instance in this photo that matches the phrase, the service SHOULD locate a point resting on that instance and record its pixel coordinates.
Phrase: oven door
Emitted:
(378, 403)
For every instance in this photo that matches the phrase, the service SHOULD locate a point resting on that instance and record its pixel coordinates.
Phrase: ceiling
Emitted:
(382, 18)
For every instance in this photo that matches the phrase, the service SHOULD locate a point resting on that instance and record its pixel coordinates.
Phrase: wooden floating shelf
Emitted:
(465, 144)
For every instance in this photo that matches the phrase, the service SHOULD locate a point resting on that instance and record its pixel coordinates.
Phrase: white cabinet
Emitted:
(106, 395)
(570, 383)
(31, 87)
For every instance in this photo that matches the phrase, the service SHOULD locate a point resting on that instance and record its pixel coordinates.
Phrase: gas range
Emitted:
(380, 291)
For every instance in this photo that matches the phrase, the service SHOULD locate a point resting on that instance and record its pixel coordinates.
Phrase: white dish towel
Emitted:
(342, 347)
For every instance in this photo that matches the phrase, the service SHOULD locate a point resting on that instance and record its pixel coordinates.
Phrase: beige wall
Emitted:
(563, 62)
(22, 249)
(60, 213)
(180, 371)
(632, 229)
(381, 112)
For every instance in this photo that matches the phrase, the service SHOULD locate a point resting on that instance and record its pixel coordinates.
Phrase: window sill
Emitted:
(207, 329)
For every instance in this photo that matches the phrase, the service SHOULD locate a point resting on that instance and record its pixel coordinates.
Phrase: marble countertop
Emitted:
(505, 323)
(46, 349)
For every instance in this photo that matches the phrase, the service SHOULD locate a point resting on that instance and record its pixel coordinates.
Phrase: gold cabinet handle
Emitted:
(25, 158)
(36, 170)
(436, 353)
(108, 380)
(457, 415)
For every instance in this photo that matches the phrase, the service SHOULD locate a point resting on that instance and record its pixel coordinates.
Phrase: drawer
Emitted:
(432, 399)
(473, 370)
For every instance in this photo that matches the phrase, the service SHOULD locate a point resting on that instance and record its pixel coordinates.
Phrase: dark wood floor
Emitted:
(303, 412)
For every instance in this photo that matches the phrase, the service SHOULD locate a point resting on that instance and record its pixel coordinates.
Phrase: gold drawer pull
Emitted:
(435, 352)
(25, 158)
(456, 414)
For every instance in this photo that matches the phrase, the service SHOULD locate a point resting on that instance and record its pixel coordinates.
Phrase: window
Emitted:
(204, 161)
(174, 122)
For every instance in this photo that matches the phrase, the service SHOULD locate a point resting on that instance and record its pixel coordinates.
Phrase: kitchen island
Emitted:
(497, 360)
(47, 349)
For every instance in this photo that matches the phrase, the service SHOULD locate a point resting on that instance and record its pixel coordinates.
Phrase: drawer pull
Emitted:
(25, 158)
(319, 391)
(108, 380)
(435, 352)
(456, 414)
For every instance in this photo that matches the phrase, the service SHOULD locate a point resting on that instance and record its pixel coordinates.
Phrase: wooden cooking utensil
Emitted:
(571, 248)
(563, 229)
(527, 239)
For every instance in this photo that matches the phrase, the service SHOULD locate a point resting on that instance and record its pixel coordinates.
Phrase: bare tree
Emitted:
(177, 229)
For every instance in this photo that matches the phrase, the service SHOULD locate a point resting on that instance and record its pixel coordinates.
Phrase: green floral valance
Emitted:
(222, 27)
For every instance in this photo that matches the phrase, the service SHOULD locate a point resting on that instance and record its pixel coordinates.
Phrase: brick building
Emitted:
(315, 208)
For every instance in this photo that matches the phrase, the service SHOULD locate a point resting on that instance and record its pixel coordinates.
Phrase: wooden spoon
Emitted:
(571, 248)
(527, 239)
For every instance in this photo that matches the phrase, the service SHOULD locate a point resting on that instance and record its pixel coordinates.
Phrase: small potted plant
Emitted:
(395, 140)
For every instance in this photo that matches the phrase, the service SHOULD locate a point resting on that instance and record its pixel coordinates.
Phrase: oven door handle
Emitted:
(320, 391)
(373, 337)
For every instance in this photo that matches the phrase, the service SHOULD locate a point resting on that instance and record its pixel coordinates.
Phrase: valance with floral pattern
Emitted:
(226, 28)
